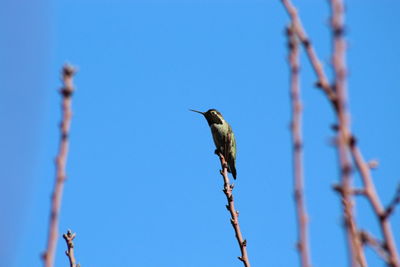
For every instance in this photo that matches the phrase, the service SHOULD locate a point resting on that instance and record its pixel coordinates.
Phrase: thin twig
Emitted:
(297, 140)
(392, 205)
(234, 213)
(375, 244)
(69, 237)
(61, 161)
(357, 256)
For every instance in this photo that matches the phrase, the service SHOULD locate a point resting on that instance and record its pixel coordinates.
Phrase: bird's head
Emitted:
(212, 116)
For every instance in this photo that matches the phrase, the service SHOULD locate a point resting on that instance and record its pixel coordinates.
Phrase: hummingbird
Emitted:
(223, 137)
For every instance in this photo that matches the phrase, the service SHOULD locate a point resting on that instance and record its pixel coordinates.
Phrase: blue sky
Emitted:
(143, 186)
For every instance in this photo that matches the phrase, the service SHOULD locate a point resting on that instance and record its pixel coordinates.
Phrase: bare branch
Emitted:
(69, 237)
(61, 161)
(363, 167)
(297, 140)
(234, 213)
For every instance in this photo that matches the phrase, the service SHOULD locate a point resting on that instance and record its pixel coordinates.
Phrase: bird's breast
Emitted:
(220, 129)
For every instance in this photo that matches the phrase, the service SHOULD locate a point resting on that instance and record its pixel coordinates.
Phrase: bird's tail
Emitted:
(232, 168)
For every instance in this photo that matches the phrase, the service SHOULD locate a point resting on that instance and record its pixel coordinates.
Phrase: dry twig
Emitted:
(69, 237)
(298, 148)
(234, 213)
(61, 161)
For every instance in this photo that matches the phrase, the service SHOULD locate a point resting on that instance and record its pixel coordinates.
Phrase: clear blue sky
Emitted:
(143, 186)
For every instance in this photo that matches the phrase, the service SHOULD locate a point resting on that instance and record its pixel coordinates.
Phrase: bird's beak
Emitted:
(196, 111)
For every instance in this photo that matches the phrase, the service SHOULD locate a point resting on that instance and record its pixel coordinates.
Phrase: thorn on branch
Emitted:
(318, 84)
(64, 136)
(335, 127)
(346, 169)
(338, 31)
(44, 256)
(337, 188)
(307, 43)
(68, 71)
(299, 246)
(66, 92)
(352, 141)
(297, 146)
(373, 164)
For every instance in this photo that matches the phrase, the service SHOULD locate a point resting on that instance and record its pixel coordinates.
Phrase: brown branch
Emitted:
(69, 237)
(61, 161)
(297, 140)
(357, 256)
(234, 213)
(362, 166)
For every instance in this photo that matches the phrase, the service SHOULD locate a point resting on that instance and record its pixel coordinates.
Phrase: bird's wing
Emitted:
(232, 141)
(231, 154)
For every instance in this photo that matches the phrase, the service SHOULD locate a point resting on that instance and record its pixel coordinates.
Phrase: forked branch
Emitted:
(69, 238)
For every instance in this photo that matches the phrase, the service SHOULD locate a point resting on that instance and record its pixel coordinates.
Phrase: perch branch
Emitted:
(69, 237)
(234, 213)
(61, 161)
(297, 141)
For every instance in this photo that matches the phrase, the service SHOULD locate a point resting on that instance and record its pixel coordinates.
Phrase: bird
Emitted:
(223, 137)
